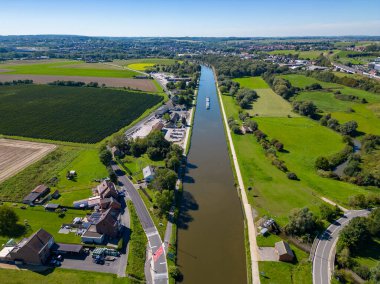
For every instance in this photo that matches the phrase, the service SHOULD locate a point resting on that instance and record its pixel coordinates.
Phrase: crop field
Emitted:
(145, 85)
(75, 114)
(66, 68)
(16, 187)
(17, 155)
(140, 66)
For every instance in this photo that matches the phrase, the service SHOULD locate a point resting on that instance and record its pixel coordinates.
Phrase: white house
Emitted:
(148, 173)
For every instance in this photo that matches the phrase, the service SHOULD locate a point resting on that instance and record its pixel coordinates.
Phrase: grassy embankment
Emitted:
(137, 246)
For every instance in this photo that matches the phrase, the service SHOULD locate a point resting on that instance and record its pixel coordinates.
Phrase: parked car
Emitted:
(98, 260)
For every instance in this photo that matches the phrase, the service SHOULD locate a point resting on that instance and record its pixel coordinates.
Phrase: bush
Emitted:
(301, 222)
(362, 271)
(175, 273)
(236, 129)
(322, 163)
(292, 176)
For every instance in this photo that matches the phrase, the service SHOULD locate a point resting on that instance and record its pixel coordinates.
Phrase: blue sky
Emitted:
(191, 18)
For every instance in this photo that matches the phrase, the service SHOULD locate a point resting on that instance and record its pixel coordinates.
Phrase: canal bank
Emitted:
(211, 223)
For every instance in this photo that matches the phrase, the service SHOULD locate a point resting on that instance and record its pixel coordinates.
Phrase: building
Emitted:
(109, 203)
(284, 251)
(103, 225)
(51, 206)
(148, 173)
(107, 189)
(158, 126)
(161, 111)
(35, 249)
(67, 248)
(37, 193)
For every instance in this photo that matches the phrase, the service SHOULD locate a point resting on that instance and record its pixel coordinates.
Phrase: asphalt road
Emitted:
(323, 261)
(159, 270)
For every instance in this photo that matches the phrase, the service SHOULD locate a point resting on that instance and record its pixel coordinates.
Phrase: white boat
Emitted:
(207, 104)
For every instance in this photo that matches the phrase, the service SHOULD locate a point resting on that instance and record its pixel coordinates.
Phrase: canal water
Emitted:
(211, 230)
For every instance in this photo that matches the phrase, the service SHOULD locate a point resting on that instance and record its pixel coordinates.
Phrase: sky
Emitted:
(247, 18)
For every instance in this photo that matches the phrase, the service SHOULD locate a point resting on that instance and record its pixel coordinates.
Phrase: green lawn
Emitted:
(60, 276)
(272, 105)
(136, 165)
(88, 167)
(67, 68)
(252, 82)
(38, 218)
(76, 114)
(285, 273)
(137, 246)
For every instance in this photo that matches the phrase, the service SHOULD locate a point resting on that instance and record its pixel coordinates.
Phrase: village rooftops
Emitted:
(36, 193)
(284, 251)
(107, 189)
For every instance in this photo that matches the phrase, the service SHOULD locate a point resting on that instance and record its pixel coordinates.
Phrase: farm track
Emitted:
(140, 84)
(16, 155)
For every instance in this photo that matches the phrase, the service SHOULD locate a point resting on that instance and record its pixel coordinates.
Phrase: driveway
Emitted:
(85, 263)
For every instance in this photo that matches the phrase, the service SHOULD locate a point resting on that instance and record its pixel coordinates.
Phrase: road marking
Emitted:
(151, 234)
(162, 262)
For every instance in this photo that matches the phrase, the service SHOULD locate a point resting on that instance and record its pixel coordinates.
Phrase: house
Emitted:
(37, 193)
(35, 249)
(103, 225)
(110, 203)
(174, 117)
(284, 251)
(148, 173)
(71, 249)
(107, 189)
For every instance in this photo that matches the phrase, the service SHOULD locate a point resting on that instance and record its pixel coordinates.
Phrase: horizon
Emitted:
(211, 18)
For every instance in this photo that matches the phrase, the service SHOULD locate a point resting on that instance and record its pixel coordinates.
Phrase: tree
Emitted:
(165, 179)
(322, 163)
(329, 213)
(301, 222)
(8, 221)
(163, 201)
(375, 273)
(354, 234)
(105, 157)
(175, 273)
(236, 129)
(120, 141)
(343, 258)
(348, 128)
(251, 124)
(374, 222)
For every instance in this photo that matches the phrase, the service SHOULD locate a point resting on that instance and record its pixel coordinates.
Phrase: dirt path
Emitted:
(15, 155)
(253, 248)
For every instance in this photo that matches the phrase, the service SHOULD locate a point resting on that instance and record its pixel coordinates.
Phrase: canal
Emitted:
(211, 229)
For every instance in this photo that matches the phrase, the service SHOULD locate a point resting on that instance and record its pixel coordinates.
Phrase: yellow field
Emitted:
(140, 66)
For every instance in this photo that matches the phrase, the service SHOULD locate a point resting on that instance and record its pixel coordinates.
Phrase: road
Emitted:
(159, 268)
(323, 261)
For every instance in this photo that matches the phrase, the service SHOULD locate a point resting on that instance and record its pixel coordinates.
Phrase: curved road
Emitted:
(323, 261)
(159, 267)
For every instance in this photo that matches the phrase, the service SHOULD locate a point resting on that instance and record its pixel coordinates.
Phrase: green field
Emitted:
(302, 81)
(252, 82)
(311, 54)
(268, 103)
(76, 114)
(60, 276)
(67, 68)
(366, 115)
(88, 167)
(38, 218)
(272, 193)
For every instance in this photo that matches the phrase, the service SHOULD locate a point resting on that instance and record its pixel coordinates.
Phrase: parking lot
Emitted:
(84, 262)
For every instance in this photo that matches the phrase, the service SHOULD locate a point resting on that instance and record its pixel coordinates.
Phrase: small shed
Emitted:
(284, 251)
(51, 206)
(148, 173)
